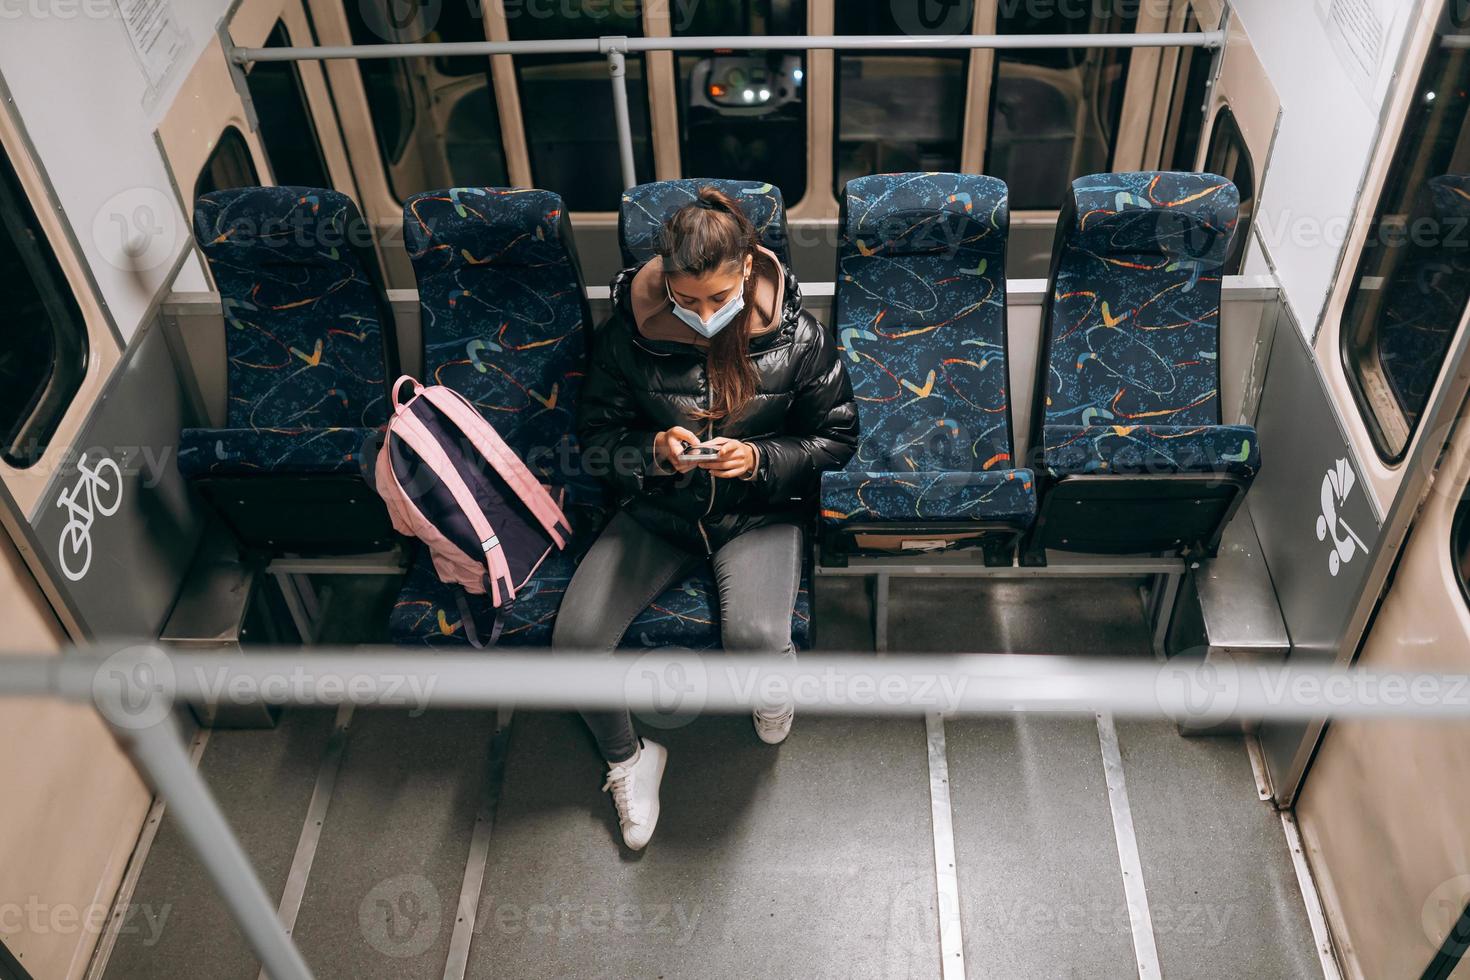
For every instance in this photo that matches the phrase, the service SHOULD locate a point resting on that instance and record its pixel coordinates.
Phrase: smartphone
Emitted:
(699, 452)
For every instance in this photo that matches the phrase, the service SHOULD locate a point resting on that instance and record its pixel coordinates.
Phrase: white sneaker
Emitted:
(772, 725)
(634, 786)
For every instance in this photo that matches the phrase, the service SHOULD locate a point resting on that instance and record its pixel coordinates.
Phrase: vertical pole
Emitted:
(617, 71)
(142, 722)
(880, 613)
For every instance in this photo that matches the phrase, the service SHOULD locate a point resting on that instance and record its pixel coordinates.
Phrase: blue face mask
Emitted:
(718, 320)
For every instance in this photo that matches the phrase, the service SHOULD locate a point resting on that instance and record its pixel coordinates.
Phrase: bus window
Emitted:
(1413, 279)
(1228, 157)
(1187, 105)
(229, 165)
(898, 111)
(566, 102)
(1460, 543)
(1054, 113)
(45, 355)
(286, 128)
(742, 114)
(436, 119)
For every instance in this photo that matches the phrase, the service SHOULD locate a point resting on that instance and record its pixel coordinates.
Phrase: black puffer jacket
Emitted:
(802, 420)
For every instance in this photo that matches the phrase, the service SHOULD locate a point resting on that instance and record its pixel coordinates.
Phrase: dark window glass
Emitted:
(230, 165)
(1187, 106)
(1412, 282)
(896, 110)
(566, 101)
(1228, 157)
(1054, 112)
(742, 114)
(1460, 543)
(436, 119)
(286, 128)
(44, 357)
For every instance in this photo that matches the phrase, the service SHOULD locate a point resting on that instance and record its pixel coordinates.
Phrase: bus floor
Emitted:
(448, 848)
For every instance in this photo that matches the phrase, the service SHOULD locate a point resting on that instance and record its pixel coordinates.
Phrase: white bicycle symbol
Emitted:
(83, 502)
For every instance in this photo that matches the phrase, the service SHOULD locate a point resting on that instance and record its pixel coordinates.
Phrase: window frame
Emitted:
(1367, 416)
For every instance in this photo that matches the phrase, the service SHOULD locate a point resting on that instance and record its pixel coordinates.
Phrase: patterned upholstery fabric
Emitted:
(1141, 449)
(1423, 299)
(687, 615)
(1000, 495)
(921, 320)
(505, 323)
(1132, 362)
(646, 207)
(304, 329)
(243, 452)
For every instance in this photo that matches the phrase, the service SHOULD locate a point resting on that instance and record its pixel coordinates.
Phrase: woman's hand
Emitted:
(736, 459)
(668, 444)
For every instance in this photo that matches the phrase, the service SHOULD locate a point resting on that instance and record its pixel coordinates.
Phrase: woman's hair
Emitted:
(704, 236)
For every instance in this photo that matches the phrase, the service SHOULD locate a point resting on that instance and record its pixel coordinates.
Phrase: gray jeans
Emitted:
(628, 566)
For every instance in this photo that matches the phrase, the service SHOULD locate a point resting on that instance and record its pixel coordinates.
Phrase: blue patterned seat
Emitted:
(505, 323)
(921, 319)
(310, 345)
(1133, 455)
(646, 207)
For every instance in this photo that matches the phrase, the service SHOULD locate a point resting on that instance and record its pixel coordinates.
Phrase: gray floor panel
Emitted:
(1040, 890)
(176, 925)
(1220, 881)
(383, 889)
(814, 859)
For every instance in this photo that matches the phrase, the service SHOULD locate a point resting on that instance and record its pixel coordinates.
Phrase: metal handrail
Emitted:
(616, 48)
(135, 691)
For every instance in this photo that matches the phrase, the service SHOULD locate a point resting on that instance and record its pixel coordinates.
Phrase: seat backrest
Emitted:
(504, 315)
(921, 320)
(1131, 326)
(309, 333)
(646, 207)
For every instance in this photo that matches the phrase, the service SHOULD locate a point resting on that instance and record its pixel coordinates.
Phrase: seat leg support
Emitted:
(299, 605)
(880, 613)
(1161, 609)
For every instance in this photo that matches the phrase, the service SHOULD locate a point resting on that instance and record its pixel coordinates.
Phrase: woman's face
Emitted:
(705, 294)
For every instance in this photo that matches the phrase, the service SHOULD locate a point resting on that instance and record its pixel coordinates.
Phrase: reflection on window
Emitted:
(742, 114)
(899, 111)
(436, 119)
(1054, 113)
(286, 129)
(1228, 157)
(566, 101)
(44, 356)
(1187, 106)
(1412, 282)
(229, 165)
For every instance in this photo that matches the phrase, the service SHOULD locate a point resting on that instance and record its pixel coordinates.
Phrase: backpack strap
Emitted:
(467, 620)
(413, 432)
(510, 466)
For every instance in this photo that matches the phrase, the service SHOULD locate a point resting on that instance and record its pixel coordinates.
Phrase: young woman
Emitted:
(708, 347)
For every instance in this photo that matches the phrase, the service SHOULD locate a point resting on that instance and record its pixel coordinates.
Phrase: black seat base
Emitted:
(917, 539)
(332, 514)
(1114, 514)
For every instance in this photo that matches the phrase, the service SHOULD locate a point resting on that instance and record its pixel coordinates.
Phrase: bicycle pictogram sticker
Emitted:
(95, 492)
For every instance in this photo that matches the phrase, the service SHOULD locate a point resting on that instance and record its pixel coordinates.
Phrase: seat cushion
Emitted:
(1006, 496)
(279, 452)
(427, 613)
(1229, 450)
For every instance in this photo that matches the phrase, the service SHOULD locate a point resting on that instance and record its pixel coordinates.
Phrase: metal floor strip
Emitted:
(1139, 917)
(457, 962)
(311, 827)
(117, 915)
(946, 878)
(1308, 887)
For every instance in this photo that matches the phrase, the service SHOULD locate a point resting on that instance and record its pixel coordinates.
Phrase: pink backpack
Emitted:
(449, 480)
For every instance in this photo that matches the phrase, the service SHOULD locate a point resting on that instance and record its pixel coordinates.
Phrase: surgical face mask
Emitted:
(718, 320)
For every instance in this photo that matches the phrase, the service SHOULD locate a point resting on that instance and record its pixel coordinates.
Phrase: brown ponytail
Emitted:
(706, 236)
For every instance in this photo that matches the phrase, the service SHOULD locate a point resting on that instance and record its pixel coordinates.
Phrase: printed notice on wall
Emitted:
(1360, 30)
(158, 40)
